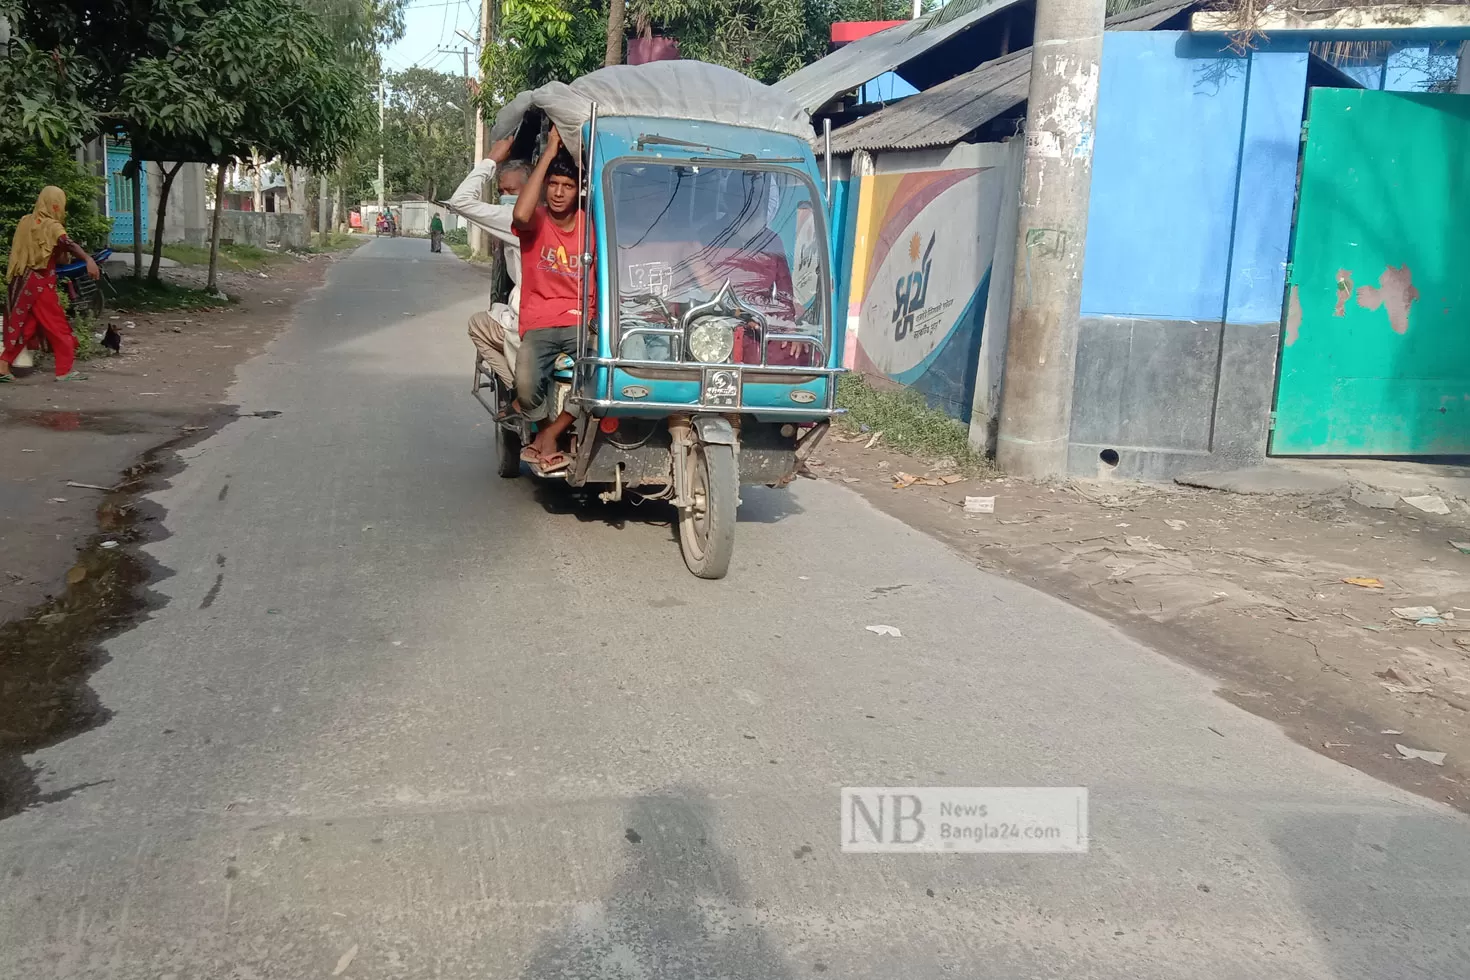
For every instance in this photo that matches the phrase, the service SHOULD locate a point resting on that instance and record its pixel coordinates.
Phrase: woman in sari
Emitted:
(32, 305)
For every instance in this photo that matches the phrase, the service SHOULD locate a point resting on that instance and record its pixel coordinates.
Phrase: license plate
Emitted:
(720, 389)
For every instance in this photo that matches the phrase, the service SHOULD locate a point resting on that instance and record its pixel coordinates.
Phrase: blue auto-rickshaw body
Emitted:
(624, 139)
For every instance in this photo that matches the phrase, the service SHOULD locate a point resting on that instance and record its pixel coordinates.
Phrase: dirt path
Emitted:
(75, 458)
(1248, 588)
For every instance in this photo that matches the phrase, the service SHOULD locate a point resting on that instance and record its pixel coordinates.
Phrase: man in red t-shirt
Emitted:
(551, 292)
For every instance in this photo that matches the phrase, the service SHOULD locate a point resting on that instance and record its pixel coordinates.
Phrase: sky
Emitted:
(430, 25)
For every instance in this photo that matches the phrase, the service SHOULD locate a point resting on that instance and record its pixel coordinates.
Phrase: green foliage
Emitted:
(558, 40)
(542, 41)
(198, 79)
(245, 74)
(27, 167)
(457, 236)
(84, 330)
(907, 422)
(41, 95)
(426, 140)
(765, 39)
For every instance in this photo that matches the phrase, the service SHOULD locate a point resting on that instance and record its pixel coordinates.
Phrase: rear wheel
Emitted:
(507, 442)
(707, 526)
(508, 452)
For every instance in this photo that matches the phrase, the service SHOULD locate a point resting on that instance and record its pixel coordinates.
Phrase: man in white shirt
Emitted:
(495, 329)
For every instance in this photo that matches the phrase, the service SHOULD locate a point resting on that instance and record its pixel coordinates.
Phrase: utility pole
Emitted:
(479, 141)
(487, 38)
(1041, 351)
(469, 125)
(380, 146)
(321, 207)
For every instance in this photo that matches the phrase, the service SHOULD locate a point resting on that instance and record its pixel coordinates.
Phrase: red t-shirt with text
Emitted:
(551, 280)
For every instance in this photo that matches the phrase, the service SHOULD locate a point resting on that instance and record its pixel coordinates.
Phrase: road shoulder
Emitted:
(1248, 588)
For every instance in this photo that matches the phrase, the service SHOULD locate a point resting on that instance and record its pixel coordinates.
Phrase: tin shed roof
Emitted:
(951, 110)
(865, 59)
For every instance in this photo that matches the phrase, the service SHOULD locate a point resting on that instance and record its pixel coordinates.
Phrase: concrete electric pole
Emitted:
(380, 149)
(469, 130)
(1041, 352)
(487, 35)
(322, 210)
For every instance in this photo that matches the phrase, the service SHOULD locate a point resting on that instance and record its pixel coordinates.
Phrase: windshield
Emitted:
(680, 232)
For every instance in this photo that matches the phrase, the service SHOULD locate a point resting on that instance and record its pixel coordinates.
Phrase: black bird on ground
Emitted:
(112, 340)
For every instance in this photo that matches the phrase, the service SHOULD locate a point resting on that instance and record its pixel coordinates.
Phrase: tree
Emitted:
(617, 15)
(196, 79)
(541, 41)
(557, 40)
(41, 95)
(765, 39)
(424, 131)
(249, 78)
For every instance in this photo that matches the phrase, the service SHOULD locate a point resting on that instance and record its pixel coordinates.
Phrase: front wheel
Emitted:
(707, 525)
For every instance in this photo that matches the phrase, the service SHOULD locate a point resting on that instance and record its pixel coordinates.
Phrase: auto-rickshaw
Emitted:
(709, 358)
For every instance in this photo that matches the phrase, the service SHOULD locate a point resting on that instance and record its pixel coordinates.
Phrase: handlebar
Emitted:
(76, 268)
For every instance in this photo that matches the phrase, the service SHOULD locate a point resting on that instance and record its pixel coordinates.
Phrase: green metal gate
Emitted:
(1375, 357)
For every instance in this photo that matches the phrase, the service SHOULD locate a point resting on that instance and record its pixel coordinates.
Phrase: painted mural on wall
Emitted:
(920, 277)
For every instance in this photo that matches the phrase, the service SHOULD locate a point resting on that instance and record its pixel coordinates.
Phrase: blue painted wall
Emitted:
(1193, 179)
(1269, 147)
(885, 88)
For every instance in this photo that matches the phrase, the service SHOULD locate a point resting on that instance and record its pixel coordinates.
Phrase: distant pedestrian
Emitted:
(436, 234)
(32, 306)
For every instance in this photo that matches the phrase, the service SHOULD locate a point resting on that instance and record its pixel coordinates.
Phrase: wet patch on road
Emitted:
(100, 421)
(48, 655)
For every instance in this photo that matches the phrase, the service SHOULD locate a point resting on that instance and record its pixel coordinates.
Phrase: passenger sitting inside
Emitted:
(551, 294)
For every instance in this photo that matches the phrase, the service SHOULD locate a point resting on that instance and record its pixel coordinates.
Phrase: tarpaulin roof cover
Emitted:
(690, 90)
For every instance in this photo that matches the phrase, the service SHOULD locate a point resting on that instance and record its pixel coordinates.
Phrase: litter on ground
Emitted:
(1433, 758)
(1429, 503)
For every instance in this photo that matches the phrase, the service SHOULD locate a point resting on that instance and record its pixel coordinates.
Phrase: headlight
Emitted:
(712, 339)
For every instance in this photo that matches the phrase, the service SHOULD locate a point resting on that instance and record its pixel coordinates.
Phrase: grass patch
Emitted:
(337, 241)
(463, 251)
(908, 424)
(135, 296)
(246, 258)
(88, 346)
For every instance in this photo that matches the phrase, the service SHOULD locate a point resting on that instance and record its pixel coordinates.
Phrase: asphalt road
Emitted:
(398, 718)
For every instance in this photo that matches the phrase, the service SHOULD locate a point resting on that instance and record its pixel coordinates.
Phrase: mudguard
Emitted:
(714, 430)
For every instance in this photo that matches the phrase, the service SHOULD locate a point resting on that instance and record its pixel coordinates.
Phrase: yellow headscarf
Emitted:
(37, 233)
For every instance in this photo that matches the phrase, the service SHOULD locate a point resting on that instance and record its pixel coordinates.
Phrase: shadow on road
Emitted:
(1405, 873)
(678, 911)
(758, 505)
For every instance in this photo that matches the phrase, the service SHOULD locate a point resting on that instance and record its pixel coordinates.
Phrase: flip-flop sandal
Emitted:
(554, 464)
(5, 379)
(529, 455)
